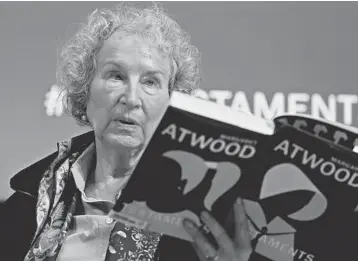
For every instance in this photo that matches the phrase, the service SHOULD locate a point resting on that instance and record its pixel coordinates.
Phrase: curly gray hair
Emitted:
(77, 59)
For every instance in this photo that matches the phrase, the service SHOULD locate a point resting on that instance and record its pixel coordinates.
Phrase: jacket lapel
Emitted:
(27, 181)
(56, 194)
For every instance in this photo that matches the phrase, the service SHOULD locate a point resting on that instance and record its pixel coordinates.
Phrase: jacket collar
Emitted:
(28, 180)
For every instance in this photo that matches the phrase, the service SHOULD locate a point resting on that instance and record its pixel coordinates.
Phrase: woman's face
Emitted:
(129, 91)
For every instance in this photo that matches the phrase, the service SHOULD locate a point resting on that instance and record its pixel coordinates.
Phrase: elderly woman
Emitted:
(118, 72)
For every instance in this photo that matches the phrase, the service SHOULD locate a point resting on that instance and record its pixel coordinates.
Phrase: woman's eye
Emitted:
(115, 76)
(150, 82)
(151, 86)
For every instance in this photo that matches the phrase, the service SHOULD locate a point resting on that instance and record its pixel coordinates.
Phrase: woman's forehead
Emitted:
(133, 49)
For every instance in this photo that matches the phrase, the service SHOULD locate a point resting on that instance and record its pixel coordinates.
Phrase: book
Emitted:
(297, 176)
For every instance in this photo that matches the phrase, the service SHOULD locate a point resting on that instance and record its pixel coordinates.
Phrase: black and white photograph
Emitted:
(179, 130)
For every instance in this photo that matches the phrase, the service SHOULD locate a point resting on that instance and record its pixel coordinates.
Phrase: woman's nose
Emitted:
(131, 95)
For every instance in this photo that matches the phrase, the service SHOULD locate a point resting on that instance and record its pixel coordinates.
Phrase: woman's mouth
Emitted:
(126, 122)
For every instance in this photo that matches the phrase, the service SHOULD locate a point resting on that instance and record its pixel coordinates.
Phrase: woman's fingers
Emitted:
(242, 231)
(200, 254)
(202, 246)
(219, 233)
(228, 249)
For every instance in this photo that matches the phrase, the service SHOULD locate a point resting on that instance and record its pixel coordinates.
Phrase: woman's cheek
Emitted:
(155, 109)
(157, 104)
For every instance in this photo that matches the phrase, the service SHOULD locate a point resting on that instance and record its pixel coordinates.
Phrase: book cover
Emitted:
(301, 200)
(299, 187)
(193, 163)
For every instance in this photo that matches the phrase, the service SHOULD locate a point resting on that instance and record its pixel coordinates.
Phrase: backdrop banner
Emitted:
(265, 58)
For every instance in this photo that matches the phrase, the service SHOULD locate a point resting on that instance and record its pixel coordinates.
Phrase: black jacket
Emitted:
(18, 214)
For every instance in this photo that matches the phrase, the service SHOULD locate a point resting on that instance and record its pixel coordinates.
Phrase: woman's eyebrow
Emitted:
(148, 70)
(154, 72)
(111, 62)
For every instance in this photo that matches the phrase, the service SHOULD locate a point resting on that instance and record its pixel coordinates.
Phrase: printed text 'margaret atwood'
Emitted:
(325, 167)
(215, 145)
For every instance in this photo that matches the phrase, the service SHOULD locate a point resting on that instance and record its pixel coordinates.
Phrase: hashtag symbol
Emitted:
(53, 101)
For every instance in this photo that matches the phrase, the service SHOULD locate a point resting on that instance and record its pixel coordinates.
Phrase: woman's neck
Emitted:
(111, 172)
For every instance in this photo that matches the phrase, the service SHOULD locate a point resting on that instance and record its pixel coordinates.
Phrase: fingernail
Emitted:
(239, 201)
(188, 224)
(205, 215)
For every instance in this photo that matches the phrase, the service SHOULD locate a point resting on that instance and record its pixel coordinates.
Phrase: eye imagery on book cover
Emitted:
(292, 185)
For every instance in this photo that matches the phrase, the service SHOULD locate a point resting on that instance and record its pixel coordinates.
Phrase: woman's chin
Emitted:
(125, 141)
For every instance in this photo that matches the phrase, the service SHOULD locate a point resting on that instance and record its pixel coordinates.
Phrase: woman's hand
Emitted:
(238, 249)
